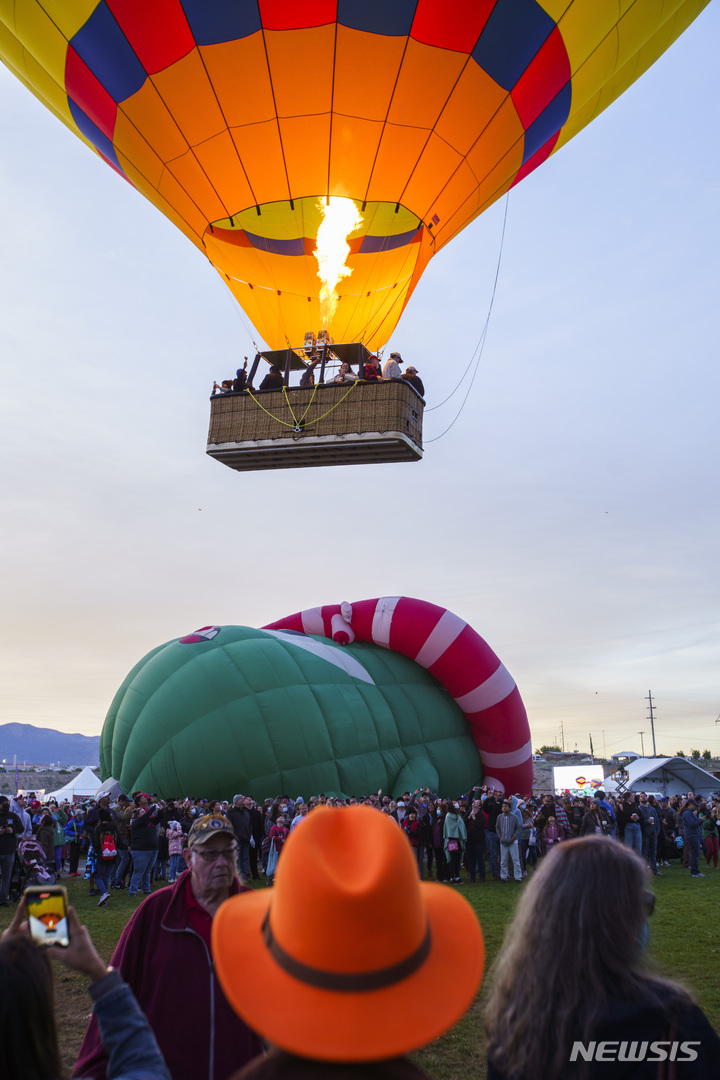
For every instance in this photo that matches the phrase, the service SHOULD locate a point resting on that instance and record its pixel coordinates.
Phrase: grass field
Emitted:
(685, 944)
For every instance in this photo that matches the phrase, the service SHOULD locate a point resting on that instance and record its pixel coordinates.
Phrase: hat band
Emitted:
(351, 982)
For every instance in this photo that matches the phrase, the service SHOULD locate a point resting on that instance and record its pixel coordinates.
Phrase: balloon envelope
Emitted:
(264, 713)
(238, 120)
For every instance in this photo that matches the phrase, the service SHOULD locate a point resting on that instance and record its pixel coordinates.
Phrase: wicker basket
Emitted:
(346, 424)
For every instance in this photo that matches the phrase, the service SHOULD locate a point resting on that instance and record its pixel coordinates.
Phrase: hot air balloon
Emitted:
(392, 693)
(258, 125)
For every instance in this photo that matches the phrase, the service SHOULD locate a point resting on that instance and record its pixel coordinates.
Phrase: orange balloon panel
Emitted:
(240, 120)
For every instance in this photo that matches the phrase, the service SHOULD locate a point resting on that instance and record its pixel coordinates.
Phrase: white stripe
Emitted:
(440, 639)
(334, 654)
(382, 619)
(312, 621)
(495, 689)
(493, 782)
(508, 760)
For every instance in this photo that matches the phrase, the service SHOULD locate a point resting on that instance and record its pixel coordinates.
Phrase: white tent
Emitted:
(670, 775)
(84, 786)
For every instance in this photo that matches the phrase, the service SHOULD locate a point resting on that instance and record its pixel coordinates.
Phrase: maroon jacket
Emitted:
(169, 968)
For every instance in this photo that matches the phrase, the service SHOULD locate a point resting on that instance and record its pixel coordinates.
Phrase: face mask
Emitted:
(644, 938)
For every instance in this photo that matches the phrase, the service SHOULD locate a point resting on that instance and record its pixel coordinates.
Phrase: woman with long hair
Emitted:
(28, 1034)
(572, 971)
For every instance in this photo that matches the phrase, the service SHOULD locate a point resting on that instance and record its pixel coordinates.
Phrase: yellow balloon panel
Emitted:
(231, 116)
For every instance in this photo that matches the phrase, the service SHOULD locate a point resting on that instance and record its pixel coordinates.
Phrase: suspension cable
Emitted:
(479, 348)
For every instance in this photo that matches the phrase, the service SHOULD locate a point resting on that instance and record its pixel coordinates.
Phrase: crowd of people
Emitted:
(475, 837)
(372, 372)
(352, 960)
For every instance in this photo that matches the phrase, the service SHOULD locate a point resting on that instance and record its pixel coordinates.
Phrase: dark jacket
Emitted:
(169, 969)
(144, 830)
(241, 821)
(272, 381)
(8, 843)
(636, 1023)
(415, 381)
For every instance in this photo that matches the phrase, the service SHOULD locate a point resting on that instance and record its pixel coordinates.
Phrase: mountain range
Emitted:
(43, 746)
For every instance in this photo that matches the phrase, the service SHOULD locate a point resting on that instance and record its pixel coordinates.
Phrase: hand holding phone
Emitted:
(46, 908)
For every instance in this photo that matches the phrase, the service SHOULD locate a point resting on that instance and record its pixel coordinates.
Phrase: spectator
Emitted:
(508, 830)
(105, 845)
(371, 967)
(475, 824)
(693, 834)
(17, 806)
(573, 971)
(241, 820)
(175, 838)
(595, 821)
(708, 820)
(29, 1045)
(164, 955)
(455, 838)
(11, 827)
(629, 826)
(144, 828)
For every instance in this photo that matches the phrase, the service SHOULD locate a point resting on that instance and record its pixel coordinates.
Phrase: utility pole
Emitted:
(562, 735)
(642, 742)
(652, 721)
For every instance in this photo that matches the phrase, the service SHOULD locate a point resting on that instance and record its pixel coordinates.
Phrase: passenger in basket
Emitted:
(414, 379)
(371, 371)
(308, 378)
(273, 380)
(345, 375)
(392, 367)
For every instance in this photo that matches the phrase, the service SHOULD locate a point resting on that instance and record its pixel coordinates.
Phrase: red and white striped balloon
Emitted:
(457, 656)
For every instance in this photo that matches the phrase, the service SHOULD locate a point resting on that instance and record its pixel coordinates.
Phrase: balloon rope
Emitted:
(287, 402)
(478, 351)
(285, 423)
(318, 418)
(296, 423)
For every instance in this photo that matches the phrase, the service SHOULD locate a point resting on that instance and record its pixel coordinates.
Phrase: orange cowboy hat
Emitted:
(374, 962)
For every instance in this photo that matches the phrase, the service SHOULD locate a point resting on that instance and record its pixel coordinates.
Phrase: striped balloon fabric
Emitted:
(449, 648)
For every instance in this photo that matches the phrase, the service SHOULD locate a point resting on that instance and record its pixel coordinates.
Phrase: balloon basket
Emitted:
(359, 423)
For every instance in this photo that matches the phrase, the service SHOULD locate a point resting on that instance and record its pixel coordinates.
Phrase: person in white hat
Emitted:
(392, 367)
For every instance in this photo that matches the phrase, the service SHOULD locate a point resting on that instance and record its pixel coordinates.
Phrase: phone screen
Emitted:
(47, 914)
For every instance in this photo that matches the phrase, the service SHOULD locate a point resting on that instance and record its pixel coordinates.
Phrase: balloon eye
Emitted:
(205, 633)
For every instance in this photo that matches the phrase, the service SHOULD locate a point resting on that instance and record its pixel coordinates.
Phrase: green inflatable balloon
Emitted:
(234, 709)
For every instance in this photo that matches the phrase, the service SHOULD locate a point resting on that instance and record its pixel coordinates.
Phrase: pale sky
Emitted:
(571, 514)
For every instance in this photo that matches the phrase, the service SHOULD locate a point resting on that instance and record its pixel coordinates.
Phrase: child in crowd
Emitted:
(175, 840)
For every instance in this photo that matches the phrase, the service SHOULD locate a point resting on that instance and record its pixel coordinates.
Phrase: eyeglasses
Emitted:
(229, 854)
(648, 902)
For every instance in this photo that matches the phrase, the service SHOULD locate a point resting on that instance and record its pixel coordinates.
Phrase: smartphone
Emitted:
(47, 914)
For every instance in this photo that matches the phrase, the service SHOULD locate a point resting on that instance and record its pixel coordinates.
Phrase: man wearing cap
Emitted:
(164, 955)
(411, 376)
(392, 367)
